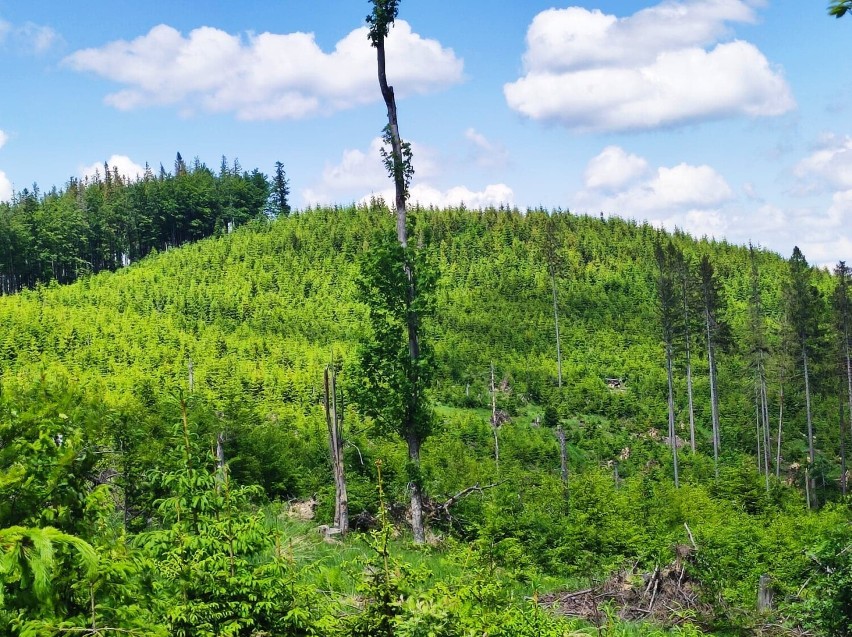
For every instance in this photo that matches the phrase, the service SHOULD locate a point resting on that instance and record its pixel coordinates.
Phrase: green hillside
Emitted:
(238, 328)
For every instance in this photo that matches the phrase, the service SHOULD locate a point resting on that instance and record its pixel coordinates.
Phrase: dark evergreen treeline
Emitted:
(109, 221)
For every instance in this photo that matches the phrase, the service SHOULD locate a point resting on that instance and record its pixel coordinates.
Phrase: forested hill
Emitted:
(231, 335)
(108, 220)
(260, 312)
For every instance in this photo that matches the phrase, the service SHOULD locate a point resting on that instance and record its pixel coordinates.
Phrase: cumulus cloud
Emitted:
(821, 232)
(663, 66)
(360, 176)
(5, 183)
(828, 167)
(264, 76)
(486, 154)
(699, 200)
(360, 171)
(426, 195)
(5, 187)
(687, 196)
(613, 169)
(127, 168)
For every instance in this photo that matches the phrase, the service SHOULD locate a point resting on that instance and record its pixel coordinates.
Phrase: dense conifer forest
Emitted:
(161, 423)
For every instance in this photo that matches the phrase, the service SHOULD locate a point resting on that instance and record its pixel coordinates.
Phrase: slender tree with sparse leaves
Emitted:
(399, 166)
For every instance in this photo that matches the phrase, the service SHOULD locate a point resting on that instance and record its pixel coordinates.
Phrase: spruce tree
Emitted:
(280, 196)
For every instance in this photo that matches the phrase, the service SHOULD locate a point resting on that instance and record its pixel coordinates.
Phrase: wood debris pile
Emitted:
(667, 596)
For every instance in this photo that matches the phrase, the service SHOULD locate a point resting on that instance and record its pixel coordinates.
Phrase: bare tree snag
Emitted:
(335, 439)
(563, 454)
(495, 424)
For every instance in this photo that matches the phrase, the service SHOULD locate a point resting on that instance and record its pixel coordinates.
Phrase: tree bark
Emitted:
(563, 454)
(765, 594)
(672, 431)
(848, 383)
(780, 421)
(556, 323)
(396, 142)
(417, 526)
(842, 446)
(764, 422)
(688, 362)
(494, 424)
(335, 439)
(811, 453)
(689, 394)
(714, 404)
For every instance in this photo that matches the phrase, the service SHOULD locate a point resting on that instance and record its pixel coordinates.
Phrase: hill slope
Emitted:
(243, 324)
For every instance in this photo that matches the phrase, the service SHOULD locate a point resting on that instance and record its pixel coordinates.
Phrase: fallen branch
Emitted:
(691, 539)
(476, 488)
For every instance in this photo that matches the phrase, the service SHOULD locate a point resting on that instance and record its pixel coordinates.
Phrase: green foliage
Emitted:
(838, 8)
(256, 312)
(399, 168)
(108, 221)
(213, 565)
(396, 285)
(381, 18)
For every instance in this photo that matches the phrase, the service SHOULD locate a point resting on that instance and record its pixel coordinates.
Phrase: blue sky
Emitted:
(728, 118)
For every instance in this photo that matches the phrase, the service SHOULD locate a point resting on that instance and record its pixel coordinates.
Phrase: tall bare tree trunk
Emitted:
(714, 400)
(556, 323)
(689, 394)
(811, 453)
(672, 430)
(764, 423)
(780, 422)
(842, 445)
(563, 453)
(335, 440)
(410, 427)
(688, 359)
(494, 423)
(757, 429)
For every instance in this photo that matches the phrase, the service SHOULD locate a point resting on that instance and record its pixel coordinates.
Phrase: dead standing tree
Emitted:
(335, 435)
(667, 256)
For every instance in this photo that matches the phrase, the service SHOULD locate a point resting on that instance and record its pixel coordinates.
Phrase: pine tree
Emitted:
(279, 198)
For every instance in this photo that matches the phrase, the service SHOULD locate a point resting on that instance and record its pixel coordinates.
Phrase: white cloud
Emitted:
(663, 66)
(361, 171)
(4, 137)
(265, 76)
(5, 187)
(486, 154)
(29, 38)
(613, 169)
(829, 167)
(36, 38)
(126, 168)
(360, 176)
(426, 195)
(689, 197)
